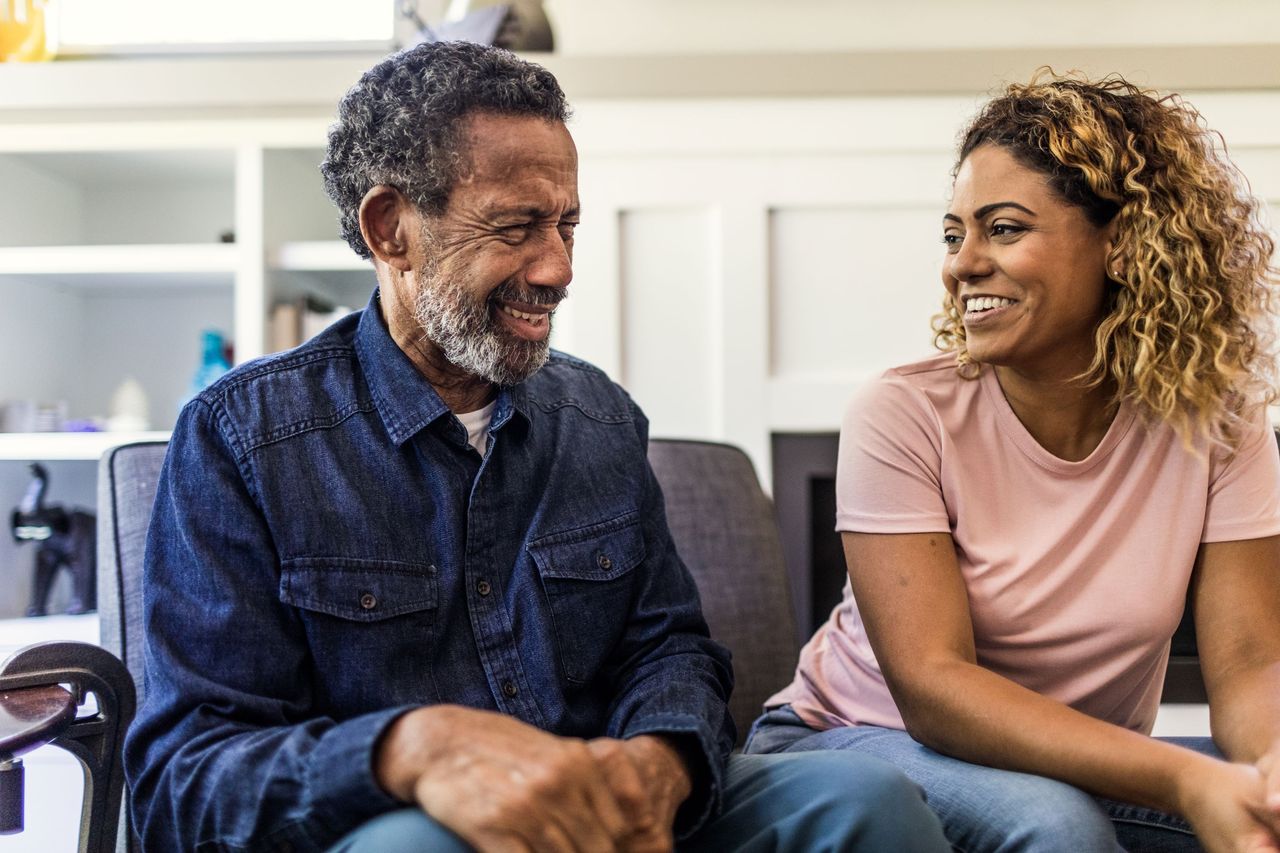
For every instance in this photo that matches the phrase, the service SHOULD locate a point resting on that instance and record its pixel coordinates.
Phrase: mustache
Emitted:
(511, 291)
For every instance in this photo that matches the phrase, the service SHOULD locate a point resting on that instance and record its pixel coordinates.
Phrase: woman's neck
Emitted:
(1064, 416)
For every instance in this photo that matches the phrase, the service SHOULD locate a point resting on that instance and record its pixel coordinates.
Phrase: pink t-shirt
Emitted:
(1076, 572)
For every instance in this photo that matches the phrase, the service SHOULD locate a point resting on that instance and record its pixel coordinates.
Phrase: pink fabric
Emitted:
(1076, 571)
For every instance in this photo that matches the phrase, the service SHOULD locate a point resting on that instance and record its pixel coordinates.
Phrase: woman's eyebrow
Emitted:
(988, 209)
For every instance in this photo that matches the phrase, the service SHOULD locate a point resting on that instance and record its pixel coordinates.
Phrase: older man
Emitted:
(410, 586)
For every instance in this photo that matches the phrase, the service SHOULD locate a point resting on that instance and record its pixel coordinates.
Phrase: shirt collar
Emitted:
(405, 400)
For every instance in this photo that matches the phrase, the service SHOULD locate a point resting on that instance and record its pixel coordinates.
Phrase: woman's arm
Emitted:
(913, 602)
(1235, 594)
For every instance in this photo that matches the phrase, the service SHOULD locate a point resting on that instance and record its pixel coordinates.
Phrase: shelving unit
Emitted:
(112, 260)
(66, 446)
(326, 267)
(122, 237)
(303, 252)
(176, 263)
(116, 251)
(316, 256)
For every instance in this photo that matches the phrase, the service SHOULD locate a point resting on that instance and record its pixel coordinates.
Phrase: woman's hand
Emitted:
(1229, 806)
(1269, 766)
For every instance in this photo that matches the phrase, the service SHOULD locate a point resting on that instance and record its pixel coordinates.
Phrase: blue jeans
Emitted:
(984, 810)
(836, 802)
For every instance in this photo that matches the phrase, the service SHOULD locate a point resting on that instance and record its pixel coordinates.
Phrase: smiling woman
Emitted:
(1027, 267)
(1191, 286)
(1025, 515)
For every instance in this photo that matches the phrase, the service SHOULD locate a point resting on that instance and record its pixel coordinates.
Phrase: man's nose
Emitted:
(552, 262)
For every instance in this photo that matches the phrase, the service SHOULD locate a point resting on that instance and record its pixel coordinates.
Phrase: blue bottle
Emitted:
(213, 362)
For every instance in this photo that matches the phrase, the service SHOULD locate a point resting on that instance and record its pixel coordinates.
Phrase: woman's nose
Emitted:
(970, 261)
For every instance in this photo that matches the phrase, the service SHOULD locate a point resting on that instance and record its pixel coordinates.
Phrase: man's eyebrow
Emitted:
(532, 212)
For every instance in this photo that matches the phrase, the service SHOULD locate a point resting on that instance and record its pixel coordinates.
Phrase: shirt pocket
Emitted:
(358, 590)
(365, 617)
(588, 579)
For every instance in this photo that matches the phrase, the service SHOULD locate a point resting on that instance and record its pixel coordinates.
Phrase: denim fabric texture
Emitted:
(328, 552)
(983, 809)
(815, 802)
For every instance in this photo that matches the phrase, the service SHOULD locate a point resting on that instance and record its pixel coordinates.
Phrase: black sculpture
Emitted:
(67, 538)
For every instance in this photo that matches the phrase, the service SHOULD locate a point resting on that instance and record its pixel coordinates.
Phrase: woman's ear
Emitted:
(386, 221)
(1115, 261)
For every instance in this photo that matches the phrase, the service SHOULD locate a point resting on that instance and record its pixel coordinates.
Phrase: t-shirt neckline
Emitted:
(1033, 450)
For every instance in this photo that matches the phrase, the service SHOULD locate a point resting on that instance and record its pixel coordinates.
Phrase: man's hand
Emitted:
(649, 780)
(501, 784)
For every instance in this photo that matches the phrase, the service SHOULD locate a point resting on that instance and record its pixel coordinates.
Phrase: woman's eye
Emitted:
(952, 241)
(1004, 229)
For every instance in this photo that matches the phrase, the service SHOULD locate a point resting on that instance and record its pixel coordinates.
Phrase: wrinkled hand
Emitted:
(649, 781)
(501, 784)
(1230, 810)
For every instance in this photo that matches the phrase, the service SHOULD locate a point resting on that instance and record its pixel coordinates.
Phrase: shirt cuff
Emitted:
(340, 780)
(697, 746)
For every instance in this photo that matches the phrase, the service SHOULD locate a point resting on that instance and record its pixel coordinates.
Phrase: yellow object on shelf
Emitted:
(28, 30)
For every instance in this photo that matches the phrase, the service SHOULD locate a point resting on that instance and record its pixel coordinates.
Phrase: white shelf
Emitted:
(176, 261)
(195, 85)
(56, 446)
(317, 256)
(25, 630)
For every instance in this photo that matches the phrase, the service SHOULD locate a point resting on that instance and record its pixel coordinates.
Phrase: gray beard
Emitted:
(462, 327)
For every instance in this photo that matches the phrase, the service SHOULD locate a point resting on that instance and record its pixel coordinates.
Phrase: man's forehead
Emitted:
(519, 166)
(516, 137)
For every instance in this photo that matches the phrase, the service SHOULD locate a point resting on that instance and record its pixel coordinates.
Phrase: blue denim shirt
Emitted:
(327, 552)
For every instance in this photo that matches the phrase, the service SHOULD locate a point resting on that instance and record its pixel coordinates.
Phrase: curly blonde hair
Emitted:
(1188, 334)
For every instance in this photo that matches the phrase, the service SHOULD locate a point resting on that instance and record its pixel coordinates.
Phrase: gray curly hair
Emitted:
(400, 124)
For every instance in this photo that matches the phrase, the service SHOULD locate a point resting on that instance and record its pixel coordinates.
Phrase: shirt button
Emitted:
(604, 562)
(509, 689)
(368, 600)
(483, 588)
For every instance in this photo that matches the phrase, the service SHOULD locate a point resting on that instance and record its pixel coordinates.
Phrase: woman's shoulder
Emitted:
(939, 368)
(912, 398)
(932, 383)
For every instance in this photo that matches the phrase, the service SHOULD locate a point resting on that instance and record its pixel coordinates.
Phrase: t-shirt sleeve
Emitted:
(889, 472)
(1244, 488)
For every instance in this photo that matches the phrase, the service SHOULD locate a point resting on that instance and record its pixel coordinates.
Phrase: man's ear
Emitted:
(386, 221)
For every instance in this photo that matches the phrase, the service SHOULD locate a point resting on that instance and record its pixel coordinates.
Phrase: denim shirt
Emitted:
(327, 552)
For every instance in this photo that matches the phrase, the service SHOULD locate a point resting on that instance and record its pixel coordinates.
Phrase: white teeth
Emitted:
(986, 303)
(535, 319)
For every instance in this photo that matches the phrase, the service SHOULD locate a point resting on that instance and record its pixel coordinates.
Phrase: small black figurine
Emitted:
(67, 538)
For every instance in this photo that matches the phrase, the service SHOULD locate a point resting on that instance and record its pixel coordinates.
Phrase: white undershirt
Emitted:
(477, 425)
